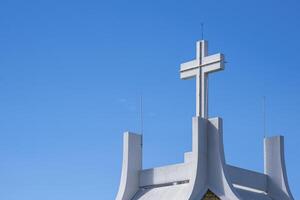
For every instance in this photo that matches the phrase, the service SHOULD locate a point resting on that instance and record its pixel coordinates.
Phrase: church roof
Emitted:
(250, 195)
(178, 192)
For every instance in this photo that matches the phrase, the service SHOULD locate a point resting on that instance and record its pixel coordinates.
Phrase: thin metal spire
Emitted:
(202, 31)
(264, 116)
(141, 117)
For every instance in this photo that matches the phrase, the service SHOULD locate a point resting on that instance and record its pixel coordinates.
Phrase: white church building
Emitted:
(204, 174)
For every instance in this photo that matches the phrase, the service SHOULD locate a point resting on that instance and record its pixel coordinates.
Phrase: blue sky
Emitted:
(72, 72)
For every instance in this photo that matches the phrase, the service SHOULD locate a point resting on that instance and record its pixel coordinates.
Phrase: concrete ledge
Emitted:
(165, 174)
(247, 178)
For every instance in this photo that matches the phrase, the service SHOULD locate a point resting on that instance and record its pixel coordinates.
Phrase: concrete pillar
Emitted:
(274, 168)
(132, 165)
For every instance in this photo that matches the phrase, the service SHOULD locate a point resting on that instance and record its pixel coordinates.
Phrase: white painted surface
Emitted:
(200, 68)
(174, 192)
(188, 157)
(275, 169)
(219, 180)
(132, 164)
(247, 178)
(165, 175)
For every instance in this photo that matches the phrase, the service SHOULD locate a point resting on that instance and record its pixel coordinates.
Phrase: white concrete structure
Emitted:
(204, 168)
(200, 68)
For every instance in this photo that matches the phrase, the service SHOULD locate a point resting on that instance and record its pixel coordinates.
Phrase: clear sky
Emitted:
(72, 72)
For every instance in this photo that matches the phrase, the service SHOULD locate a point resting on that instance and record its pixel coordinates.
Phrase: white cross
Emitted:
(201, 67)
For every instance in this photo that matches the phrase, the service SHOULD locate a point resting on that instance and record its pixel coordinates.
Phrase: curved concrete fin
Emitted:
(218, 178)
(132, 164)
(209, 168)
(275, 169)
(198, 182)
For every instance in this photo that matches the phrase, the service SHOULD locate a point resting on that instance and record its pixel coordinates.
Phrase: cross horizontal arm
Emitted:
(188, 73)
(209, 64)
(213, 63)
(189, 65)
(207, 60)
(188, 69)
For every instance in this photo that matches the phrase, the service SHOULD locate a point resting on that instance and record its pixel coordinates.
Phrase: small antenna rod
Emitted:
(202, 31)
(264, 116)
(141, 115)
